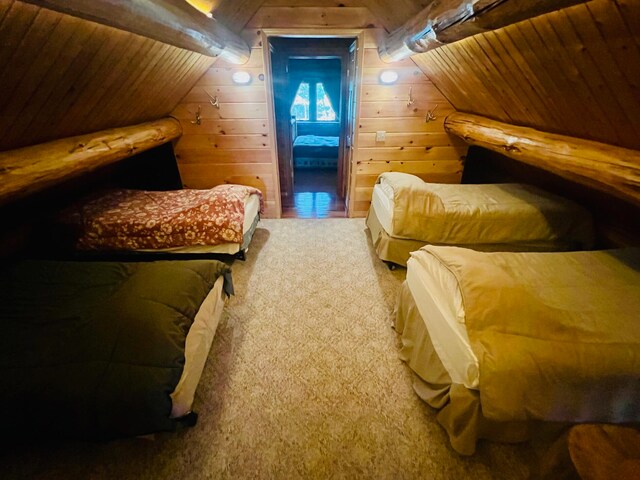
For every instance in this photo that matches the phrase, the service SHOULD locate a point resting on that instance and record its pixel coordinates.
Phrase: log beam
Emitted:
(447, 21)
(607, 168)
(173, 22)
(31, 169)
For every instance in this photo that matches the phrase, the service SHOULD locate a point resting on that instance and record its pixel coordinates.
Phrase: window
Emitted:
(324, 110)
(300, 107)
(312, 103)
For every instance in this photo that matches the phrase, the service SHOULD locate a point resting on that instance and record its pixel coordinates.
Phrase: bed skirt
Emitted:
(459, 408)
(388, 248)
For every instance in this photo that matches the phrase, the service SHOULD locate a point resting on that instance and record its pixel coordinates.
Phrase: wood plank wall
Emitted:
(237, 140)
(574, 72)
(412, 145)
(234, 141)
(61, 76)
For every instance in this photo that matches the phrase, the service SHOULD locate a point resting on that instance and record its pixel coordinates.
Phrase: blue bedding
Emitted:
(315, 141)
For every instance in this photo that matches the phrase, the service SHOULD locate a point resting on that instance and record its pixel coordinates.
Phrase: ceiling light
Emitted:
(241, 77)
(389, 76)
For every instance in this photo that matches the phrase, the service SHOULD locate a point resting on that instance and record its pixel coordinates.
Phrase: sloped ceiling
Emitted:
(575, 72)
(62, 76)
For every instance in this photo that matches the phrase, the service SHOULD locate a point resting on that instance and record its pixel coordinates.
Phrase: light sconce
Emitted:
(388, 77)
(241, 77)
(203, 6)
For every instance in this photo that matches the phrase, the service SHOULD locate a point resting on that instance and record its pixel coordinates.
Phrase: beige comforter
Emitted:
(557, 335)
(483, 214)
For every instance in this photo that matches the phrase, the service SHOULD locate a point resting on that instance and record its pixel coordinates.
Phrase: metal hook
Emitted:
(411, 101)
(430, 114)
(198, 120)
(214, 101)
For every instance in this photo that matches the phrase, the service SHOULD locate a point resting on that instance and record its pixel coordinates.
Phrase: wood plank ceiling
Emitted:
(575, 72)
(61, 76)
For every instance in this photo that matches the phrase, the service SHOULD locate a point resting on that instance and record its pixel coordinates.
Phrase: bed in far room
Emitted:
(407, 213)
(104, 349)
(216, 221)
(502, 341)
(315, 144)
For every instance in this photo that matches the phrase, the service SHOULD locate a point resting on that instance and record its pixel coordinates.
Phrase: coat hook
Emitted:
(430, 114)
(411, 101)
(198, 120)
(215, 101)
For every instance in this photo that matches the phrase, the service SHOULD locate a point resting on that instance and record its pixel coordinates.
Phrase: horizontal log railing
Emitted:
(447, 21)
(169, 21)
(608, 168)
(30, 169)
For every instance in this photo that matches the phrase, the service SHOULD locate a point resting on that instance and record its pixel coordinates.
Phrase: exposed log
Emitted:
(607, 168)
(447, 21)
(172, 22)
(31, 169)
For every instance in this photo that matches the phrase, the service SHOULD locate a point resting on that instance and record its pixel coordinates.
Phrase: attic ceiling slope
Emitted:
(62, 76)
(574, 72)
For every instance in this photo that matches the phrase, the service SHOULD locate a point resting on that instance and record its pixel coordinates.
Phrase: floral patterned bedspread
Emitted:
(137, 219)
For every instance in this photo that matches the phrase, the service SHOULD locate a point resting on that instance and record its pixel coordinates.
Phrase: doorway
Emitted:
(311, 103)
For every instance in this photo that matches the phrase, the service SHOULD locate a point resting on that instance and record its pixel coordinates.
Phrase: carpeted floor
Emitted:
(303, 381)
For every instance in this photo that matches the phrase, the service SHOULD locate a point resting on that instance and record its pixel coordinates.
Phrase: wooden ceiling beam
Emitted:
(607, 168)
(31, 169)
(447, 21)
(173, 22)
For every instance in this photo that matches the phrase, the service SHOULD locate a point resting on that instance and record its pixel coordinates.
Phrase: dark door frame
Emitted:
(283, 135)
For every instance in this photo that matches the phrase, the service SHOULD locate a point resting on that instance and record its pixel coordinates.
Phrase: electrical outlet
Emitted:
(381, 136)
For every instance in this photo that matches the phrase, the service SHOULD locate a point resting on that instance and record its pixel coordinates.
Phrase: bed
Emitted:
(220, 220)
(504, 343)
(99, 350)
(315, 144)
(407, 213)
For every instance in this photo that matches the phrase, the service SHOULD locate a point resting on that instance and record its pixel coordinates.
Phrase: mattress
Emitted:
(439, 301)
(382, 203)
(197, 346)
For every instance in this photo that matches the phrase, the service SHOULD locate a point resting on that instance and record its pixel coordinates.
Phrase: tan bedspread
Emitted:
(136, 219)
(483, 214)
(557, 335)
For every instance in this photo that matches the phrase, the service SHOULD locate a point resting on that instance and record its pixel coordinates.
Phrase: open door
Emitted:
(349, 123)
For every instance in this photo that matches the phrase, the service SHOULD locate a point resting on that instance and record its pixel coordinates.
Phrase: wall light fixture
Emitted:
(388, 77)
(241, 77)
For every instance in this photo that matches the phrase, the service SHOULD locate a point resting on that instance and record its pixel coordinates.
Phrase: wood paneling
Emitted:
(294, 17)
(233, 141)
(411, 144)
(575, 72)
(61, 76)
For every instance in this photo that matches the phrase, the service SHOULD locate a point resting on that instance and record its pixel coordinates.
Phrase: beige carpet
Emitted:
(303, 381)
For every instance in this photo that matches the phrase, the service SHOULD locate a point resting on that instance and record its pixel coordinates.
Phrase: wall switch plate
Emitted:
(381, 136)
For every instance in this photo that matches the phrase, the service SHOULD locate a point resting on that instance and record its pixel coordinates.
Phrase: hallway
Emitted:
(315, 195)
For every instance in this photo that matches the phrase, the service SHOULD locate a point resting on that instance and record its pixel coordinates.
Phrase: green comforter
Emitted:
(93, 350)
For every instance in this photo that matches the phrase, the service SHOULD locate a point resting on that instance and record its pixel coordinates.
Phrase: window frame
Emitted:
(313, 99)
